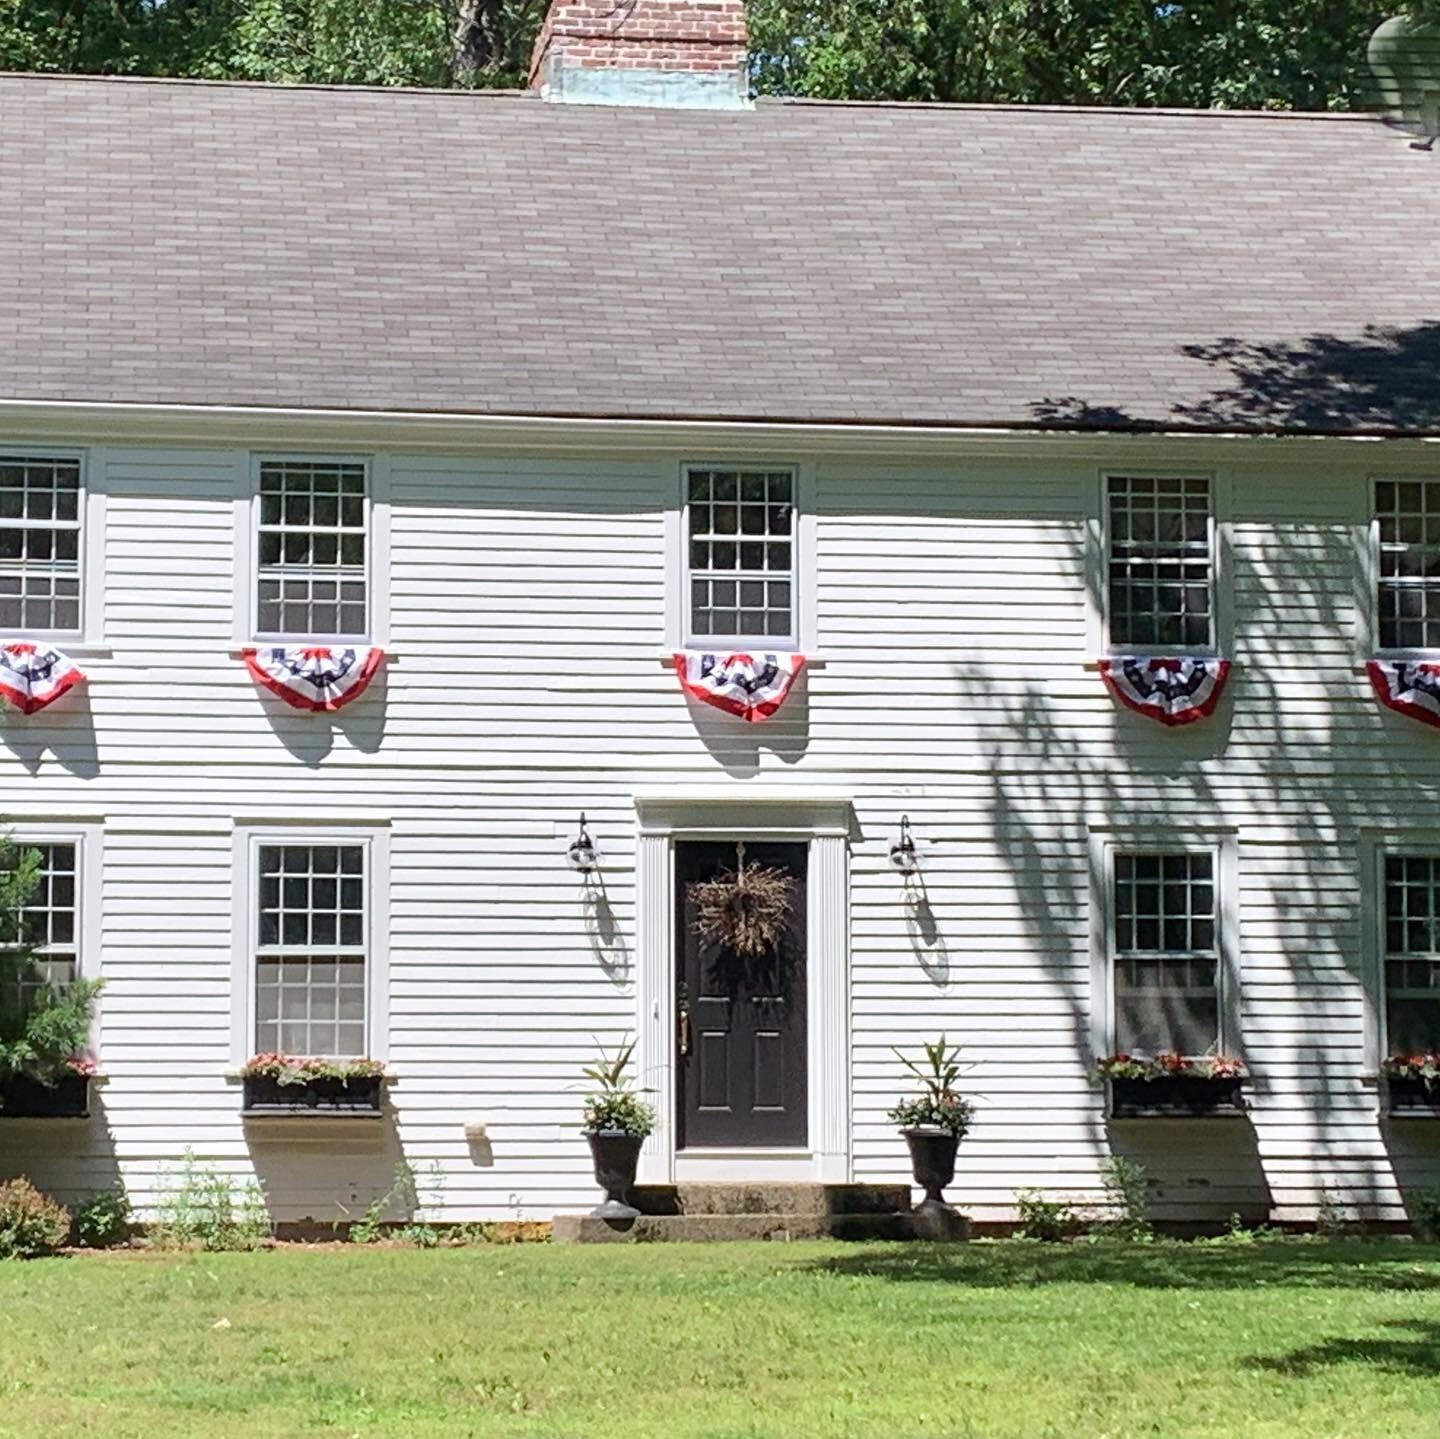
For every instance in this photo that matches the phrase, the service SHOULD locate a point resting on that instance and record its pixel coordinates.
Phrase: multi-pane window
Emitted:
(48, 922)
(311, 546)
(1166, 959)
(1407, 517)
(741, 553)
(1412, 952)
(1159, 562)
(311, 951)
(39, 543)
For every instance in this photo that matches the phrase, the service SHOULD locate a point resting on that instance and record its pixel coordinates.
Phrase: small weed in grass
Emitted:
(1049, 1219)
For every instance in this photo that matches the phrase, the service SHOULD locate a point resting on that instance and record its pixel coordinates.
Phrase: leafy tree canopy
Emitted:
(1257, 53)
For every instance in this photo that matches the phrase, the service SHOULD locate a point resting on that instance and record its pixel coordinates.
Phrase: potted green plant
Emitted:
(44, 1033)
(616, 1123)
(281, 1084)
(1412, 1085)
(933, 1123)
(1172, 1086)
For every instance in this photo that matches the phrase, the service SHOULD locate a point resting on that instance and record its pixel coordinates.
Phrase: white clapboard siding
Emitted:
(526, 683)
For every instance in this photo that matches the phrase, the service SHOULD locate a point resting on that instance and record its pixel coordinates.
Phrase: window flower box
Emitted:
(1412, 1086)
(68, 1097)
(1172, 1086)
(279, 1085)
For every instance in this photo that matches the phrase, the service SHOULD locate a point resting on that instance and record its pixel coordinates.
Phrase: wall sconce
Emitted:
(902, 853)
(582, 854)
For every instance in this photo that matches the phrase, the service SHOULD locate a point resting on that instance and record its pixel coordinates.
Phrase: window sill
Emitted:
(812, 661)
(76, 649)
(1094, 665)
(237, 652)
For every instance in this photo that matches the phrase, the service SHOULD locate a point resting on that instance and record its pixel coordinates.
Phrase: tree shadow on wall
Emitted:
(1382, 379)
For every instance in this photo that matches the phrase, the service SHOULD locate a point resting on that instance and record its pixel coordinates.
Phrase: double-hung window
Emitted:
(312, 949)
(1165, 953)
(1160, 563)
(40, 530)
(1412, 952)
(48, 923)
(1407, 601)
(312, 541)
(741, 564)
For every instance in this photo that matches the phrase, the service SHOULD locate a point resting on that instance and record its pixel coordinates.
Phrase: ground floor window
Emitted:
(311, 950)
(1165, 951)
(49, 923)
(1412, 953)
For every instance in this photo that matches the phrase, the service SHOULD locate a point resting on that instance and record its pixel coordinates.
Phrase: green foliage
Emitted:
(1333, 1217)
(1127, 1196)
(31, 1225)
(209, 1210)
(1423, 1207)
(403, 1195)
(940, 1106)
(613, 1107)
(1049, 1219)
(44, 1030)
(1252, 54)
(317, 42)
(104, 1220)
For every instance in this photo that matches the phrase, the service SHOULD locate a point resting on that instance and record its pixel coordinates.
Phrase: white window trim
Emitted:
(1374, 846)
(247, 840)
(1223, 843)
(1097, 566)
(88, 839)
(1367, 608)
(91, 509)
(805, 638)
(246, 605)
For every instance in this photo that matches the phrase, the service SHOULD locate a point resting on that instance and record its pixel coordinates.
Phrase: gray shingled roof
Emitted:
(244, 245)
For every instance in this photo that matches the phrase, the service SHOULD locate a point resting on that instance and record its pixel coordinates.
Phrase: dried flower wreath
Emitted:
(746, 909)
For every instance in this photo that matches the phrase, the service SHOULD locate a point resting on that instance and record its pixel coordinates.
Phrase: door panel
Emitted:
(742, 1032)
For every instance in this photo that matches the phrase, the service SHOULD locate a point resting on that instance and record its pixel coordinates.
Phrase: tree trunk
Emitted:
(479, 40)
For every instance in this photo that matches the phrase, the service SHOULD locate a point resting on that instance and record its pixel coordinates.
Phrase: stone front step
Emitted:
(764, 1199)
(716, 1228)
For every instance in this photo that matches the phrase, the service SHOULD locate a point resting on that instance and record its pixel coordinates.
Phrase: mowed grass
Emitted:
(885, 1342)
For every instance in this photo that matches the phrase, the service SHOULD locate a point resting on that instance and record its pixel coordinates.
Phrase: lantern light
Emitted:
(903, 856)
(582, 854)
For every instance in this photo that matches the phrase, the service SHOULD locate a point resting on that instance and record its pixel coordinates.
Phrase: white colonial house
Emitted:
(983, 412)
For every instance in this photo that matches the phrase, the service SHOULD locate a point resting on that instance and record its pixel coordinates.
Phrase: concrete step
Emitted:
(801, 1200)
(717, 1228)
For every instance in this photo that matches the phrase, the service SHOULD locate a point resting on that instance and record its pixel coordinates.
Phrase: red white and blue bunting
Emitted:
(1173, 691)
(1410, 686)
(33, 676)
(750, 686)
(314, 677)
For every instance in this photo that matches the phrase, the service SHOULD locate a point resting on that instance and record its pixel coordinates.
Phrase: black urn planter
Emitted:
(1176, 1096)
(266, 1096)
(616, 1156)
(932, 1159)
(67, 1098)
(1410, 1097)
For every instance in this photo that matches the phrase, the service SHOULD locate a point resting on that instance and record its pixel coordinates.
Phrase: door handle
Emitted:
(684, 1037)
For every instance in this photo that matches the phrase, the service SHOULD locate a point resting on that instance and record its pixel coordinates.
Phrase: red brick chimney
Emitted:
(687, 53)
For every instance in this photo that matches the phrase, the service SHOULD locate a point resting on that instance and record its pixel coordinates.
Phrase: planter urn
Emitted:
(616, 1156)
(932, 1158)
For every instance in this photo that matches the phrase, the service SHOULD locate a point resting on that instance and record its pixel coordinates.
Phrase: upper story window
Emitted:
(311, 950)
(312, 578)
(1412, 953)
(1165, 952)
(1160, 563)
(1407, 521)
(48, 922)
(740, 549)
(40, 509)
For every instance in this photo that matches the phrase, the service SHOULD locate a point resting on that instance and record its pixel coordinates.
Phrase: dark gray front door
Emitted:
(741, 1026)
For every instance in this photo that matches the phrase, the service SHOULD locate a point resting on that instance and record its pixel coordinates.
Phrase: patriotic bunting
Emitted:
(751, 686)
(313, 677)
(33, 676)
(1410, 686)
(1173, 691)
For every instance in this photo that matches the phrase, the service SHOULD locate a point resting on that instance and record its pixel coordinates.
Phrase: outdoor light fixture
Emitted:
(582, 854)
(902, 853)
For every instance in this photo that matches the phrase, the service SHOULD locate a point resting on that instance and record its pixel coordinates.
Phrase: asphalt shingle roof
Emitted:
(248, 245)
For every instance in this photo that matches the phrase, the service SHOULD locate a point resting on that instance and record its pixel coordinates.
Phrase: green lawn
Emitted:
(800, 1341)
